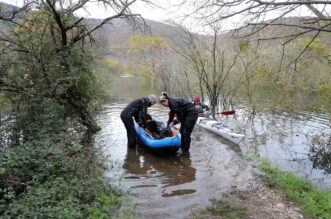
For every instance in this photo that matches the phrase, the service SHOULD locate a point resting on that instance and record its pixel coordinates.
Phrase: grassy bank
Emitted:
(314, 202)
(272, 199)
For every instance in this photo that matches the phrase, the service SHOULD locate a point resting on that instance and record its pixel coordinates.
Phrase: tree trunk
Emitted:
(81, 108)
(201, 90)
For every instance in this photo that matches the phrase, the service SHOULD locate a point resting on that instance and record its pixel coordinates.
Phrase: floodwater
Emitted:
(174, 186)
(286, 140)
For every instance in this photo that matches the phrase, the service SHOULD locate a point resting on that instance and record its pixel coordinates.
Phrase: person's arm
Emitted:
(137, 118)
(171, 117)
(142, 112)
(199, 109)
(145, 107)
(205, 107)
(143, 116)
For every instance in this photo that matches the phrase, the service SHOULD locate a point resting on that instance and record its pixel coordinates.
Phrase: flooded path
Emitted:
(172, 186)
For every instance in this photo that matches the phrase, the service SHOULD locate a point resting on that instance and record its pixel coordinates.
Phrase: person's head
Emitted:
(152, 99)
(164, 99)
(196, 99)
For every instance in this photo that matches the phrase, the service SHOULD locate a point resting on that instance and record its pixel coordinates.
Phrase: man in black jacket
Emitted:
(135, 109)
(187, 115)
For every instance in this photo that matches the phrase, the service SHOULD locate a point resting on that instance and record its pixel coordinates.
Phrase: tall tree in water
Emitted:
(212, 64)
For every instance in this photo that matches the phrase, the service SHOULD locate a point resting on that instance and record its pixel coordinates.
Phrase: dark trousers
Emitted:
(130, 130)
(186, 129)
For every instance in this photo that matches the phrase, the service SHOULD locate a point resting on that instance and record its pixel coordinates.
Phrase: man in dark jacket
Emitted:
(135, 109)
(186, 114)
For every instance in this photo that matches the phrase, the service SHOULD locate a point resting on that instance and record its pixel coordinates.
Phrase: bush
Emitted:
(53, 177)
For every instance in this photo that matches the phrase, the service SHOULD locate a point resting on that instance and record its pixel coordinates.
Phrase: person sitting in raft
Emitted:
(148, 124)
(199, 106)
(135, 109)
(187, 115)
(155, 127)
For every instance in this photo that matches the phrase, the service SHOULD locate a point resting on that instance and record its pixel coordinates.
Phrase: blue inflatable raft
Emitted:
(166, 144)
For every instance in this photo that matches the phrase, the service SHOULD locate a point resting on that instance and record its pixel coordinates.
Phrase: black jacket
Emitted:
(135, 109)
(181, 107)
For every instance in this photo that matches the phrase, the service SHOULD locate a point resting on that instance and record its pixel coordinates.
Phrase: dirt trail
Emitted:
(262, 203)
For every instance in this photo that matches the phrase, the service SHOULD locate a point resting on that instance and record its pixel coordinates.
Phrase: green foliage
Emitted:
(243, 46)
(316, 47)
(46, 170)
(306, 87)
(323, 91)
(230, 211)
(146, 43)
(53, 176)
(4, 103)
(147, 55)
(42, 69)
(313, 202)
(103, 205)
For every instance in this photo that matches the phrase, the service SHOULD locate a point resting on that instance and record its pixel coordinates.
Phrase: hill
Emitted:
(113, 38)
(118, 33)
(7, 7)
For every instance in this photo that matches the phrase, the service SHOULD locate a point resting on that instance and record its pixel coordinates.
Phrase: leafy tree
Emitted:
(147, 54)
(46, 56)
(46, 74)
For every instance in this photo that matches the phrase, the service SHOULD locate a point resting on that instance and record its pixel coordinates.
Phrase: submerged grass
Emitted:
(224, 211)
(314, 202)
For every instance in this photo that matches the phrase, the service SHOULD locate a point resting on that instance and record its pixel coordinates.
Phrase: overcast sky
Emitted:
(166, 10)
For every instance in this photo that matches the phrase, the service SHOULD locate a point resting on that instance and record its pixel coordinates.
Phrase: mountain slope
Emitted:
(118, 33)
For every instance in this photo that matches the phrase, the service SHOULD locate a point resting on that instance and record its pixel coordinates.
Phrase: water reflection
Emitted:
(172, 170)
(320, 153)
(286, 141)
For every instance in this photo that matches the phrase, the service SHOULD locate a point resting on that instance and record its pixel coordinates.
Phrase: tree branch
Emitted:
(274, 3)
(125, 6)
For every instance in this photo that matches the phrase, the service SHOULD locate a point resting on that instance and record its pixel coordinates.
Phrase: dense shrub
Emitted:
(53, 177)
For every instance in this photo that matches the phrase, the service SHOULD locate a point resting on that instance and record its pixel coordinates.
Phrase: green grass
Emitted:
(230, 211)
(313, 202)
(224, 211)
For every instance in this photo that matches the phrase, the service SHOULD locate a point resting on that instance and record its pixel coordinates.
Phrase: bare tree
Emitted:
(249, 60)
(258, 15)
(190, 50)
(213, 66)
